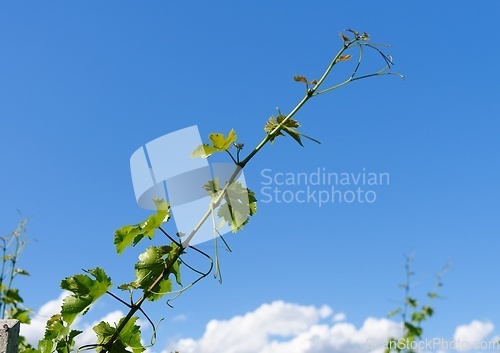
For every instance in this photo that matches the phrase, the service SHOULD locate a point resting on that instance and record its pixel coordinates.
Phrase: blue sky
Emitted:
(83, 85)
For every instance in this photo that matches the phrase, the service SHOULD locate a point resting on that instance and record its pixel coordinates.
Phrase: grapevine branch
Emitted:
(170, 260)
(357, 41)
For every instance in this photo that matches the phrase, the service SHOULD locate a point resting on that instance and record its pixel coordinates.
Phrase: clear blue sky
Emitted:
(84, 84)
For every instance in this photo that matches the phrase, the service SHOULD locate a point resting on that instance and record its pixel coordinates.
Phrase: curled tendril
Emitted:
(202, 274)
(361, 41)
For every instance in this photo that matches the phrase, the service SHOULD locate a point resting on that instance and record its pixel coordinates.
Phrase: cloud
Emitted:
(472, 334)
(282, 327)
(338, 317)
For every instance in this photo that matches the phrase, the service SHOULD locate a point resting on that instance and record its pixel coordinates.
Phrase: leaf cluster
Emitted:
(280, 125)
(219, 143)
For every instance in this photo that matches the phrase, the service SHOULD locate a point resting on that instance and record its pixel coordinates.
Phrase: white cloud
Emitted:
(282, 327)
(277, 327)
(472, 334)
(339, 317)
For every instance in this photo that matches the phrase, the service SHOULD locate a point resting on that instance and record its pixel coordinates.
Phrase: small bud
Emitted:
(300, 79)
(344, 57)
(344, 37)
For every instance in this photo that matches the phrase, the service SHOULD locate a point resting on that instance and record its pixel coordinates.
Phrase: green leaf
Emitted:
(130, 336)
(239, 205)
(412, 302)
(45, 346)
(11, 296)
(394, 312)
(19, 271)
(85, 292)
(133, 234)
(30, 350)
(55, 328)
(23, 315)
(418, 317)
(427, 310)
(432, 295)
(151, 266)
(294, 134)
(55, 337)
(413, 331)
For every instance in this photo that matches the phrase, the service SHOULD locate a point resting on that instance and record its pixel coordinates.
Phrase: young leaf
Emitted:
(344, 57)
(412, 302)
(223, 143)
(356, 33)
(28, 350)
(274, 123)
(85, 292)
(427, 310)
(57, 336)
(133, 234)
(344, 37)
(289, 127)
(300, 79)
(19, 271)
(11, 296)
(239, 205)
(220, 143)
(203, 151)
(394, 312)
(45, 346)
(303, 79)
(413, 331)
(55, 328)
(212, 187)
(417, 317)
